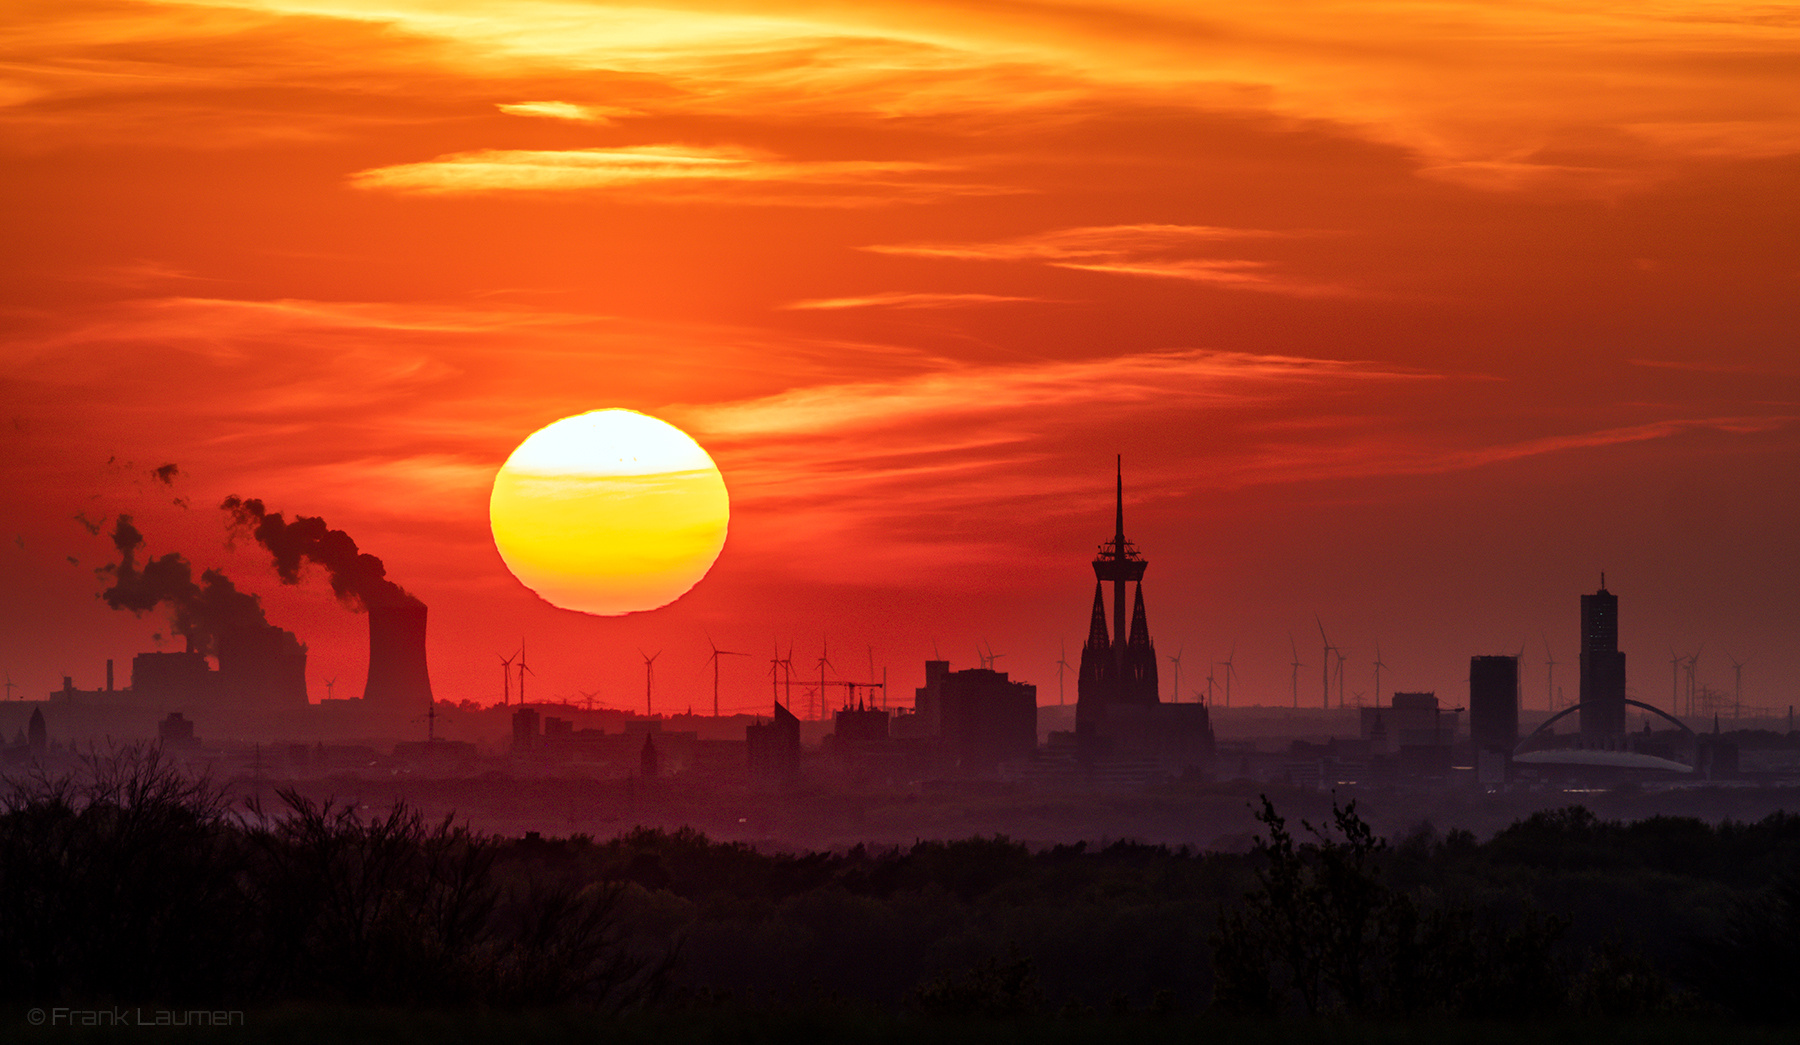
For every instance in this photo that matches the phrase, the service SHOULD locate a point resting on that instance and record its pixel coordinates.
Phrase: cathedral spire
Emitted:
(1097, 634)
(1140, 624)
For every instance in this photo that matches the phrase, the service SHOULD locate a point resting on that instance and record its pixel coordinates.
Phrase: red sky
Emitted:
(1413, 316)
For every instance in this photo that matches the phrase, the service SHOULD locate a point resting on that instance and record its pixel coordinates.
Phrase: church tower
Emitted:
(1118, 663)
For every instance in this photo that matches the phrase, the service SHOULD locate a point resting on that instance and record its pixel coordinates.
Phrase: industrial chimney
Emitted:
(398, 680)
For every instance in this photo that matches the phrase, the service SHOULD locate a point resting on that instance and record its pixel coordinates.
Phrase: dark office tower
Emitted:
(1118, 664)
(1602, 666)
(774, 746)
(988, 718)
(1494, 703)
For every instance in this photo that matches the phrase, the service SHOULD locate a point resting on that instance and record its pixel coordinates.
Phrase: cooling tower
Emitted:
(398, 680)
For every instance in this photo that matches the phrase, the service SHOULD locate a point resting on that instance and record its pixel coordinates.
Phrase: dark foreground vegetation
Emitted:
(134, 885)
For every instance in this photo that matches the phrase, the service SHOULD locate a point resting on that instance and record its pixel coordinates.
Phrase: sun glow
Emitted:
(609, 512)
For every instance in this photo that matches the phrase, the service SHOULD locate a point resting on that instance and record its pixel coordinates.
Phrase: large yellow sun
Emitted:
(609, 512)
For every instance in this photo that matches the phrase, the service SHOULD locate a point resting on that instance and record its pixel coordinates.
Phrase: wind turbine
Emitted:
(1230, 670)
(1693, 661)
(716, 654)
(9, 685)
(991, 655)
(1175, 659)
(1341, 658)
(649, 677)
(523, 668)
(1296, 665)
(1325, 666)
(1737, 687)
(588, 698)
(824, 662)
(1550, 677)
(1063, 668)
(330, 682)
(506, 664)
(1378, 666)
(1209, 684)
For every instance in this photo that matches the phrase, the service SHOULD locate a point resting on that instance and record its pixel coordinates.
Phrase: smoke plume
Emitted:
(203, 613)
(357, 577)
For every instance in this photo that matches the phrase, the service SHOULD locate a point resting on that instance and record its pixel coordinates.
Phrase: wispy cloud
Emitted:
(660, 167)
(907, 299)
(595, 114)
(1090, 241)
(1563, 95)
(951, 398)
(1708, 367)
(1133, 250)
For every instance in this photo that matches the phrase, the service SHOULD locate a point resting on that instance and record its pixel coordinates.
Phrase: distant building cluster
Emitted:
(970, 724)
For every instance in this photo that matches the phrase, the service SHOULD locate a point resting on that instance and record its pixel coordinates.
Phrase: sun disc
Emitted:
(609, 512)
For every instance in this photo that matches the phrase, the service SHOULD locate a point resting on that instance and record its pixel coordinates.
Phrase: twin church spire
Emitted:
(1118, 663)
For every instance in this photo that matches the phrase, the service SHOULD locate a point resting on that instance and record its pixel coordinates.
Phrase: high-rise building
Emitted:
(986, 718)
(1602, 666)
(1494, 703)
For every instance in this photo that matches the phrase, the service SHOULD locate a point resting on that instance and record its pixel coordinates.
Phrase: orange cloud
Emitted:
(595, 114)
(1484, 92)
(1131, 250)
(665, 167)
(905, 299)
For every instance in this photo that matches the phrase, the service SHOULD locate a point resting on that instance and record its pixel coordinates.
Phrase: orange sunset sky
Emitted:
(1414, 316)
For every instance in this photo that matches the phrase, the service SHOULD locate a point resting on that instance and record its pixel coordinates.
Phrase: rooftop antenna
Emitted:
(1175, 659)
(506, 664)
(1230, 670)
(1325, 667)
(716, 654)
(1378, 666)
(1063, 668)
(1296, 665)
(649, 677)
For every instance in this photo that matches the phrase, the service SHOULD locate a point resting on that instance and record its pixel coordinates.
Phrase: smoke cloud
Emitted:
(204, 613)
(357, 577)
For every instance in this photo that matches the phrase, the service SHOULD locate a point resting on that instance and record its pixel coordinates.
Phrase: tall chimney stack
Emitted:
(398, 680)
